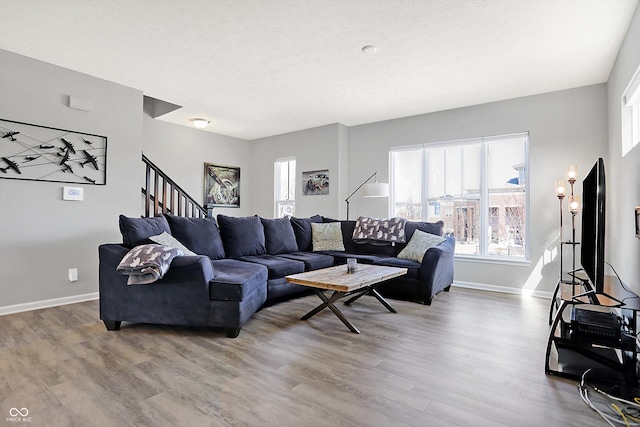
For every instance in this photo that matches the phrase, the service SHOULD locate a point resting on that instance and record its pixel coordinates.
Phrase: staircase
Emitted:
(162, 195)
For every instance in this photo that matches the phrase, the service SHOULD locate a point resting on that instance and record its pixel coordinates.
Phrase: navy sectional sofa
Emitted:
(240, 266)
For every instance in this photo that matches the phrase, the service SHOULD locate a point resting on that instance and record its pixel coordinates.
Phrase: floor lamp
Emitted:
(371, 189)
(561, 191)
(574, 208)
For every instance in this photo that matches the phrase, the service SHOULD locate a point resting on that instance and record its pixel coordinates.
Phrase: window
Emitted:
(631, 114)
(285, 188)
(477, 187)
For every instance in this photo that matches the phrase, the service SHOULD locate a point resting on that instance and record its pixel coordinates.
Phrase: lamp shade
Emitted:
(375, 189)
(574, 204)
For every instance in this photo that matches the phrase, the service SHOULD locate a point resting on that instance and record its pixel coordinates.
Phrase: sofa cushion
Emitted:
(201, 235)
(327, 237)
(428, 227)
(381, 249)
(136, 231)
(312, 261)
(340, 257)
(413, 267)
(347, 236)
(277, 266)
(233, 280)
(242, 236)
(302, 230)
(167, 239)
(419, 244)
(279, 236)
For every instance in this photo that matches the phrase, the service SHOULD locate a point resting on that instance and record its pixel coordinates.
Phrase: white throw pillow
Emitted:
(419, 244)
(326, 236)
(167, 239)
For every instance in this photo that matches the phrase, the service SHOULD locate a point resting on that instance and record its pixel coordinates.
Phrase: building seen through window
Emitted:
(477, 187)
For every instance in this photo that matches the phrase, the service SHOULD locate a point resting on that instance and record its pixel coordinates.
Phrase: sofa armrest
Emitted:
(181, 297)
(437, 267)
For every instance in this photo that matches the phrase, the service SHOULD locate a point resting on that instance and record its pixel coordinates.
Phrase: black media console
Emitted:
(594, 332)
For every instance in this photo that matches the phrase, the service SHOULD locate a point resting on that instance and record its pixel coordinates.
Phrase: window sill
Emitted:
(521, 262)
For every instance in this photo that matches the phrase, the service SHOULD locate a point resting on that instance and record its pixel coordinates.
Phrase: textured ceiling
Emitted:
(257, 68)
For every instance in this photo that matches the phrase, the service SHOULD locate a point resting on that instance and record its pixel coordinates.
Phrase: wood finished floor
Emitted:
(473, 358)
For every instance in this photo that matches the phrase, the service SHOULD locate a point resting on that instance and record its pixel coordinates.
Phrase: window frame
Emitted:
(484, 204)
(291, 180)
(630, 114)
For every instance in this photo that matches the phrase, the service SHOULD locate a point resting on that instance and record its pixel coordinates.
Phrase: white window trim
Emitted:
(484, 220)
(276, 200)
(630, 114)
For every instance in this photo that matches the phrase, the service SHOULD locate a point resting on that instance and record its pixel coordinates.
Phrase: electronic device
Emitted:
(595, 324)
(593, 227)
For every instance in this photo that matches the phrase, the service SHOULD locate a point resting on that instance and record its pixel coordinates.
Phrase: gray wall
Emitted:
(314, 149)
(181, 152)
(564, 127)
(42, 236)
(623, 172)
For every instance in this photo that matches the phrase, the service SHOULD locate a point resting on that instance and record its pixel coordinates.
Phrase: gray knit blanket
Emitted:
(146, 264)
(382, 230)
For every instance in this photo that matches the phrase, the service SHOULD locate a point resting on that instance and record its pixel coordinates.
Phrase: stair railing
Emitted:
(162, 195)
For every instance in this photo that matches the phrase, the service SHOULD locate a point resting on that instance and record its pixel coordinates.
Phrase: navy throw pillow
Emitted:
(302, 230)
(201, 235)
(279, 236)
(136, 231)
(428, 227)
(242, 236)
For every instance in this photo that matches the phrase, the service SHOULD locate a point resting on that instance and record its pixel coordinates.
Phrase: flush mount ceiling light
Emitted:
(370, 49)
(200, 123)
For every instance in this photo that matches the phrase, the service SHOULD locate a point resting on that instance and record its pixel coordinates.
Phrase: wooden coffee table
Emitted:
(362, 282)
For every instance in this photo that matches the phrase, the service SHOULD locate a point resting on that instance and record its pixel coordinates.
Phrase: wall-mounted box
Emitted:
(73, 193)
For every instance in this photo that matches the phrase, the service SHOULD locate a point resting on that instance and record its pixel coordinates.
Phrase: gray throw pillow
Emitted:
(419, 244)
(327, 236)
(166, 239)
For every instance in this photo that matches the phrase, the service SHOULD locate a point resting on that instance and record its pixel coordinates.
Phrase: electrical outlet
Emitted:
(73, 274)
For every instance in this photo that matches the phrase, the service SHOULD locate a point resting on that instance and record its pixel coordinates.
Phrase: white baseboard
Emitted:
(37, 305)
(503, 289)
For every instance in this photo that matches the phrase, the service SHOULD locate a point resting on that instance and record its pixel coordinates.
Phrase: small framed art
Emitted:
(315, 183)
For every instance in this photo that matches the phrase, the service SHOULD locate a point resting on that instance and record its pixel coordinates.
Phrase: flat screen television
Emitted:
(593, 226)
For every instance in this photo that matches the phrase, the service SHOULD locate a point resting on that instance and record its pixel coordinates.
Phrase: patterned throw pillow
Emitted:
(326, 236)
(419, 244)
(166, 239)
